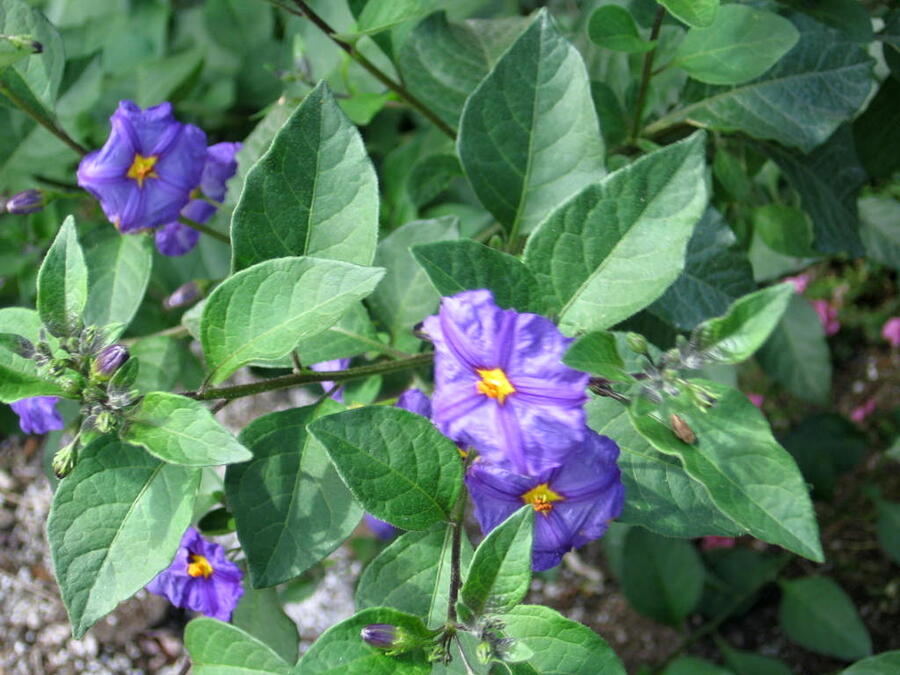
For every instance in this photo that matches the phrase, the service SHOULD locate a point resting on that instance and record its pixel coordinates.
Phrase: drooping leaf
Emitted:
(698, 13)
(180, 430)
(313, 193)
(529, 136)
(616, 246)
(116, 521)
(291, 507)
(263, 312)
(62, 283)
(613, 27)
(218, 648)
(260, 614)
(396, 463)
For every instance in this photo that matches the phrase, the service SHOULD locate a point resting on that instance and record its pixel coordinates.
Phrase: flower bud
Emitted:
(186, 294)
(64, 460)
(29, 201)
(109, 361)
(105, 422)
(637, 343)
(381, 635)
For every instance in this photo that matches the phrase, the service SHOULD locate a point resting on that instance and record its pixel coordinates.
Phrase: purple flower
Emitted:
(828, 315)
(328, 366)
(415, 400)
(145, 172)
(891, 331)
(574, 502)
(38, 414)
(380, 528)
(501, 386)
(200, 578)
(175, 238)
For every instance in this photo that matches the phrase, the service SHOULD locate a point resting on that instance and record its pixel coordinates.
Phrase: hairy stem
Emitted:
(646, 75)
(200, 227)
(375, 71)
(48, 125)
(309, 377)
(459, 515)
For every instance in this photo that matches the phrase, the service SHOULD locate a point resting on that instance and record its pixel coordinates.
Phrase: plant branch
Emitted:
(200, 227)
(47, 124)
(646, 74)
(309, 377)
(459, 515)
(305, 10)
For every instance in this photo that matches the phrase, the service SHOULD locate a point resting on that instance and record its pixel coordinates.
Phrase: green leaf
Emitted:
(380, 15)
(560, 646)
(816, 613)
(115, 523)
(797, 355)
(396, 463)
(662, 577)
(825, 446)
(290, 505)
(749, 322)
(877, 131)
(263, 312)
(691, 665)
(880, 230)
(735, 578)
(785, 229)
(161, 360)
(413, 574)
(443, 62)
(169, 78)
(19, 377)
(880, 664)
(463, 265)
(340, 649)
(739, 45)
(118, 271)
(500, 572)
(62, 283)
(236, 25)
(180, 430)
(404, 297)
(313, 193)
(749, 663)
(616, 246)
(749, 476)
(529, 137)
(613, 27)
(828, 180)
(888, 527)
(715, 274)
(260, 614)
(795, 102)
(659, 494)
(352, 334)
(598, 354)
(699, 13)
(217, 648)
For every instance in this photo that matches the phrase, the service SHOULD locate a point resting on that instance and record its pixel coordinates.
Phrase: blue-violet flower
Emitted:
(501, 386)
(38, 414)
(574, 502)
(145, 172)
(201, 578)
(328, 366)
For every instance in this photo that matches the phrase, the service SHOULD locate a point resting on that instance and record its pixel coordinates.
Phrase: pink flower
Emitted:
(801, 281)
(828, 316)
(891, 331)
(757, 400)
(860, 413)
(709, 543)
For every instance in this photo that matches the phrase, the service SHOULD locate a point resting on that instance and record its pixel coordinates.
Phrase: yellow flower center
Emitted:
(200, 567)
(494, 383)
(142, 168)
(541, 497)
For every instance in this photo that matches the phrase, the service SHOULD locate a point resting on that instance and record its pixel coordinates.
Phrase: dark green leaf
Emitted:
(735, 578)
(62, 283)
(877, 131)
(290, 505)
(888, 526)
(881, 664)
(784, 229)
(314, 192)
(613, 27)
(698, 13)
(396, 463)
(748, 663)
(880, 229)
(691, 665)
(825, 446)
(217, 648)
(528, 136)
(260, 614)
(116, 522)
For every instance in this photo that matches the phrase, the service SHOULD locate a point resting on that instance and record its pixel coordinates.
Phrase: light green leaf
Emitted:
(598, 354)
(560, 646)
(500, 573)
(529, 136)
(314, 192)
(118, 269)
(815, 612)
(785, 229)
(413, 574)
(289, 503)
(749, 476)
(380, 15)
(217, 648)
(168, 78)
(739, 45)
(616, 246)
(699, 13)
(734, 337)
(161, 360)
(19, 377)
(662, 577)
(455, 266)
(260, 614)
(396, 463)
(180, 430)
(797, 355)
(613, 27)
(116, 521)
(263, 312)
(352, 334)
(881, 664)
(62, 283)
(237, 25)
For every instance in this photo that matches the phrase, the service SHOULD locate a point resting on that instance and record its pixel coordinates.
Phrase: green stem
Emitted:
(309, 377)
(377, 73)
(459, 515)
(47, 124)
(646, 74)
(200, 227)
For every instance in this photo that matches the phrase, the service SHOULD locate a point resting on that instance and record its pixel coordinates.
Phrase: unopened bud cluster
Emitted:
(29, 201)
